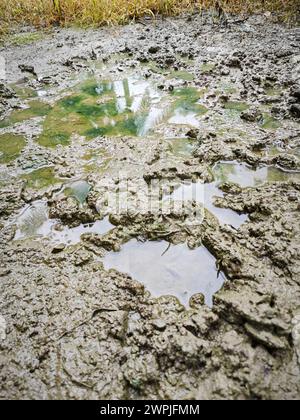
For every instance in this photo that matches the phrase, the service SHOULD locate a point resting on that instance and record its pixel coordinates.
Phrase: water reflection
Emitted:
(33, 223)
(129, 107)
(180, 272)
(246, 176)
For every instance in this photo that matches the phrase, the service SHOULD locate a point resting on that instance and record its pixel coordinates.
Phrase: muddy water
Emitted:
(11, 147)
(79, 190)
(129, 107)
(164, 270)
(69, 329)
(34, 223)
(205, 194)
(132, 106)
(246, 176)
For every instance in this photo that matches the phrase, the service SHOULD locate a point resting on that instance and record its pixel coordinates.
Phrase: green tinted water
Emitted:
(11, 147)
(35, 108)
(41, 178)
(131, 107)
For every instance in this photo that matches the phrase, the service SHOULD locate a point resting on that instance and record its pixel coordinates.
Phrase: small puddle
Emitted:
(33, 222)
(246, 176)
(204, 194)
(182, 147)
(180, 272)
(79, 190)
(236, 106)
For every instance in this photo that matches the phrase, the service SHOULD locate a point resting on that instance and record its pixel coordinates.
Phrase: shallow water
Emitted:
(128, 107)
(245, 176)
(11, 146)
(79, 190)
(34, 108)
(204, 194)
(33, 222)
(180, 272)
(41, 178)
(182, 147)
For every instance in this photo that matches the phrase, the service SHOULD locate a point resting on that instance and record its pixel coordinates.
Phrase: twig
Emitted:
(168, 247)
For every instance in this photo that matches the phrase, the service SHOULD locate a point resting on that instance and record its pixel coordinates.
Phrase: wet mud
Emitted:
(98, 304)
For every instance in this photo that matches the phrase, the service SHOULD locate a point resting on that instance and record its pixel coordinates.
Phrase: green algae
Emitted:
(187, 101)
(207, 68)
(35, 108)
(270, 123)
(11, 146)
(122, 108)
(236, 106)
(41, 178)
(182, 75)
(24, 92)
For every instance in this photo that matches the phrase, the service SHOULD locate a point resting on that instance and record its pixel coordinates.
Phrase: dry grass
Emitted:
(43, 13)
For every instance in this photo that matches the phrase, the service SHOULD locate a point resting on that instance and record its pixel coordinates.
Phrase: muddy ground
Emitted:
(69, 329)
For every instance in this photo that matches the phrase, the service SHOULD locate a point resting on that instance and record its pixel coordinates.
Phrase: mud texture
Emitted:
(71, 330)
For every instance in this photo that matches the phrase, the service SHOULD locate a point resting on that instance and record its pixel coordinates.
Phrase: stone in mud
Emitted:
(6, 92)
(295, 110)
(154, 49)
(252, 115)
(58, 248)
(26, 68)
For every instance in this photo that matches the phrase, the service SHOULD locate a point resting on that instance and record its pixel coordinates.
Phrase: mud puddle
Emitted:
(34, 223)
(205, 194)
(246, 176)
(168, 270)
(131, 106)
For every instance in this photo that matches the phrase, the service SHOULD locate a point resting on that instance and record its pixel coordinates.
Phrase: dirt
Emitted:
(69, 329)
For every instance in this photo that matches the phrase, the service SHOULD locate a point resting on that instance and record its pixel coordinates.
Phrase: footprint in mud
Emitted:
(179, 272)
